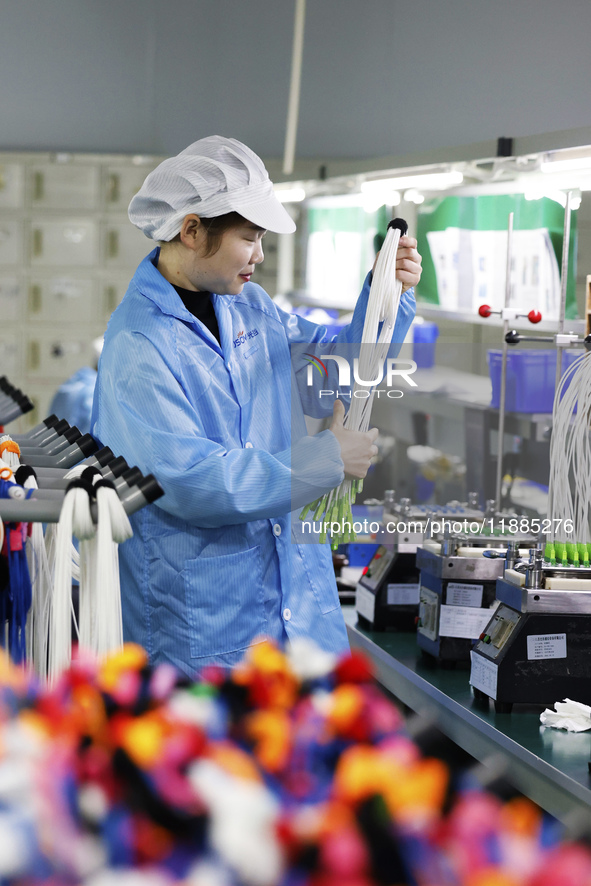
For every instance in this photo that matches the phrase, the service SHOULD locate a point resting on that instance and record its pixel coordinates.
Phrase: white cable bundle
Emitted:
(75, 518)
(10, 452)
(41, 584)
(382, 307)
(39, 632)
(41, 571)
(569, 500)
(101, 626)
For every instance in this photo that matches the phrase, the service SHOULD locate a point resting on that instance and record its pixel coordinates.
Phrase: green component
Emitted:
(305, 510)
(572, 553)
(550, 553)
(583, 554)
(319, 510)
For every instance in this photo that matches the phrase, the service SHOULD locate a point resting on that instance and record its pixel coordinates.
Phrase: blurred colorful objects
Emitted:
(292, 769)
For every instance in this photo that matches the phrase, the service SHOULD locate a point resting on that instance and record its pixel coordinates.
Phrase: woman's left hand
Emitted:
(408, 263)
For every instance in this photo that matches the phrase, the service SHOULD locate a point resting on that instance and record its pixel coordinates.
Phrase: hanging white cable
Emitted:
(76, 503)
(9, 452)
(41, 584)
(382, 307)
(60, 636)
(117, 530)
(101, 623)
(43, 593)
(88, 592)
(569, 498)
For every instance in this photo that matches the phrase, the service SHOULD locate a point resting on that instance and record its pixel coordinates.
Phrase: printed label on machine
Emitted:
(403, 594)
(483, 675)
(463, 621)
(428, 612)
(460, 594)
(546, 646)
(365, 603)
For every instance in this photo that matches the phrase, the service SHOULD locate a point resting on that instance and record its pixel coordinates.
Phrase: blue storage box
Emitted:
(424, 340)
(360, 554)
(530, 378)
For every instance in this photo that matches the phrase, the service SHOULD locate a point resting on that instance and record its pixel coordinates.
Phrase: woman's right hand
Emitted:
(357, 447)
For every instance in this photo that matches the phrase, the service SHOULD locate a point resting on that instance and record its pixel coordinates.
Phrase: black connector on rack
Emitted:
(150, 488)
(16, 394)
(87, 444)
(118, 466)
(104, 456)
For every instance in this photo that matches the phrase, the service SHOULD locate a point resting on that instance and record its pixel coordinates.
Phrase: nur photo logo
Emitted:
(393, 370)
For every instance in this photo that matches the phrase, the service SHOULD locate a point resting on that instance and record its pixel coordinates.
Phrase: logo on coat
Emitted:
(243, 337)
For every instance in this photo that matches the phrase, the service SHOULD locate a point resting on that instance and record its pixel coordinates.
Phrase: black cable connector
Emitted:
(90, 474)
(104, 484)
(22, 474)
(400, 224)
(79, 483)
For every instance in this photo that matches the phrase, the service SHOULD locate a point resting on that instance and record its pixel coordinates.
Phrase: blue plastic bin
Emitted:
(360, 554)
(530, 378)
(424, 339)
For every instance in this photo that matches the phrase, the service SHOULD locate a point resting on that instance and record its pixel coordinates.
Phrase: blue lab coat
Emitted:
(73, 399)
(216, 562)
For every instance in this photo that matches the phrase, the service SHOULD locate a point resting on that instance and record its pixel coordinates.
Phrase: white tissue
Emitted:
(570, 715)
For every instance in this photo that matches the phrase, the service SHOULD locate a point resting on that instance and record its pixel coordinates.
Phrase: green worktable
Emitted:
(548, 765)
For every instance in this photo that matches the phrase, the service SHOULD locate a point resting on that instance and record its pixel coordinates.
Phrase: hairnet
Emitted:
(211, 177)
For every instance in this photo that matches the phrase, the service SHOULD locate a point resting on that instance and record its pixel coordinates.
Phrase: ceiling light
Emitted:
(414, 196)
(567, 161)
(375, 199)
(290, 195)
(427, 181)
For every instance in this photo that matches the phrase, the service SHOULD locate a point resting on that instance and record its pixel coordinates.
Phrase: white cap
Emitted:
(211, 177)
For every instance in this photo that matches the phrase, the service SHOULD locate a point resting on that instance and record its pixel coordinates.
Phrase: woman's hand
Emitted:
(408, 263)
(357, 447)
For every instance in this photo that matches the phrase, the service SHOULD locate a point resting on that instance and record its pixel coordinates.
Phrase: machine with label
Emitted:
(457, 594)
(387, 594)
(536, 647)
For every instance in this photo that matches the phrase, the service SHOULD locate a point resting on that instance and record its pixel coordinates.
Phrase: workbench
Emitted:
(548, 765)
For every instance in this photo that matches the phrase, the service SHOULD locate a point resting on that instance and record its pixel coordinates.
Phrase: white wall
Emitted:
(381, 77)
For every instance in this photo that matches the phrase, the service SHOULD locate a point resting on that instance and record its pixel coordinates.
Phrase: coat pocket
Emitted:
(318, 568)
(225, 602)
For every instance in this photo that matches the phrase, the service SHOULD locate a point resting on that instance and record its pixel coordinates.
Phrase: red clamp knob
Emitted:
(485, 310)
(534, 316)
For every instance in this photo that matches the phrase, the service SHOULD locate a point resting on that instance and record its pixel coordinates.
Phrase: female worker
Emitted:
(196, 386)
